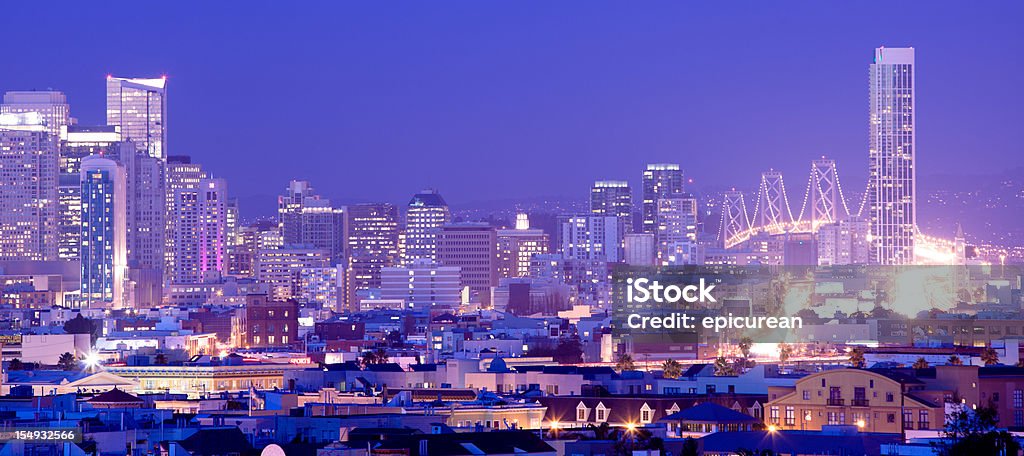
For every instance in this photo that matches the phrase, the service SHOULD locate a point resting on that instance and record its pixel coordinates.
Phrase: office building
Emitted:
(613, 198)
(426, 213)
(281, 268)
(892, 193)
(591, 237)
(676, 229)
(76, 143)
(28, 189)
(139, 107)
(198, 224)
(52, 107)
(472, 247)
(422, 285)
(639, 249)
(103, 247)
(660, 180)
(517, 246)
(372, 242)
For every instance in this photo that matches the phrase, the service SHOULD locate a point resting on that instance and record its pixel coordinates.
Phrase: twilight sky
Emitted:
(488, 100)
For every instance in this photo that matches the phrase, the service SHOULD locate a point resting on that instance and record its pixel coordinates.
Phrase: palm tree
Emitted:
(990, 357)
(15, 365)
(160, 359)
(625, 363)
(954, 361)
(921, 363)
(857, 357)
(745, 344)
(723, 368)
(785, 351)
(671, 369)
(369, 358)
(382, 356)
(67, 361)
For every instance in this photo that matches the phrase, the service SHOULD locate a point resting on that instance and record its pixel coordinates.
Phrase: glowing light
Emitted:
(630, 427)
(554, 424)
(772, 428)
(91, 360)
(860, 424)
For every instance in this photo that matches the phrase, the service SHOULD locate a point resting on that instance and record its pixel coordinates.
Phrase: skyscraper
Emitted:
(28, 188)
(661, 180)
(372, 242)
(676, 232)
(76, 143)
(426, 213)
(182, 175)
(591, 237)
(139, 107)
(51, 105)
(518, 246)
(891, 186)
(305, 218)
(299, 194)
(613, 198)
(473, 248)
(197, 223)
(103, 249)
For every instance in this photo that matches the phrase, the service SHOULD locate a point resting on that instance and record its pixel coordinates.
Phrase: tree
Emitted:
(369, 358)
(82, 325)
(625, 363)
(569, 351)
(857, 357)
(671, 369)
(745, 345)
(973, 432)
(755, 452)
(954, 361)
(15, 365)
(990, 357)
(382, 356)
(160, 359)
(921, 363)
(785, 351)
(67, 361)
(723, 368)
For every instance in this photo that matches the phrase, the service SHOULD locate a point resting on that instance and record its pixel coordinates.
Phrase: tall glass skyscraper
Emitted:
(139, 107)
(103, 249)
(891, 189)
(51, 105)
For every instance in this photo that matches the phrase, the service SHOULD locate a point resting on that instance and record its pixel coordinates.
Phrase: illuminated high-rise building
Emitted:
(426, 214)
(661, 180)
(304, 218)
(299, 194)
(613, 198)
(76, 143)
(676, 233)
(28, 188)
(591, 237)
(372, 243)
(51, 105)
(516, 247)
(473, 248)
(892, 193)
(103, 248)
(139, 107)
(197, 223)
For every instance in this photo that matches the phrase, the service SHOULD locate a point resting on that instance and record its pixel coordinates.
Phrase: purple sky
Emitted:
(487, 100)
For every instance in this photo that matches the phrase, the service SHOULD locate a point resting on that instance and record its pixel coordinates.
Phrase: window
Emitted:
(790, 416)
(890, 418)
(922, 419)
(889, 397)
(1018, 399)
(1018, 418)
(773, 414)
(833, 418)
(807, 395)
(908, 419)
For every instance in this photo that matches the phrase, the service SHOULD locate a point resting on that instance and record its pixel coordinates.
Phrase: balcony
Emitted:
(859, 402)
(836, 401)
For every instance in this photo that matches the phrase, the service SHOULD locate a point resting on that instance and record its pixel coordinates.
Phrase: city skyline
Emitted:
(650, 112)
